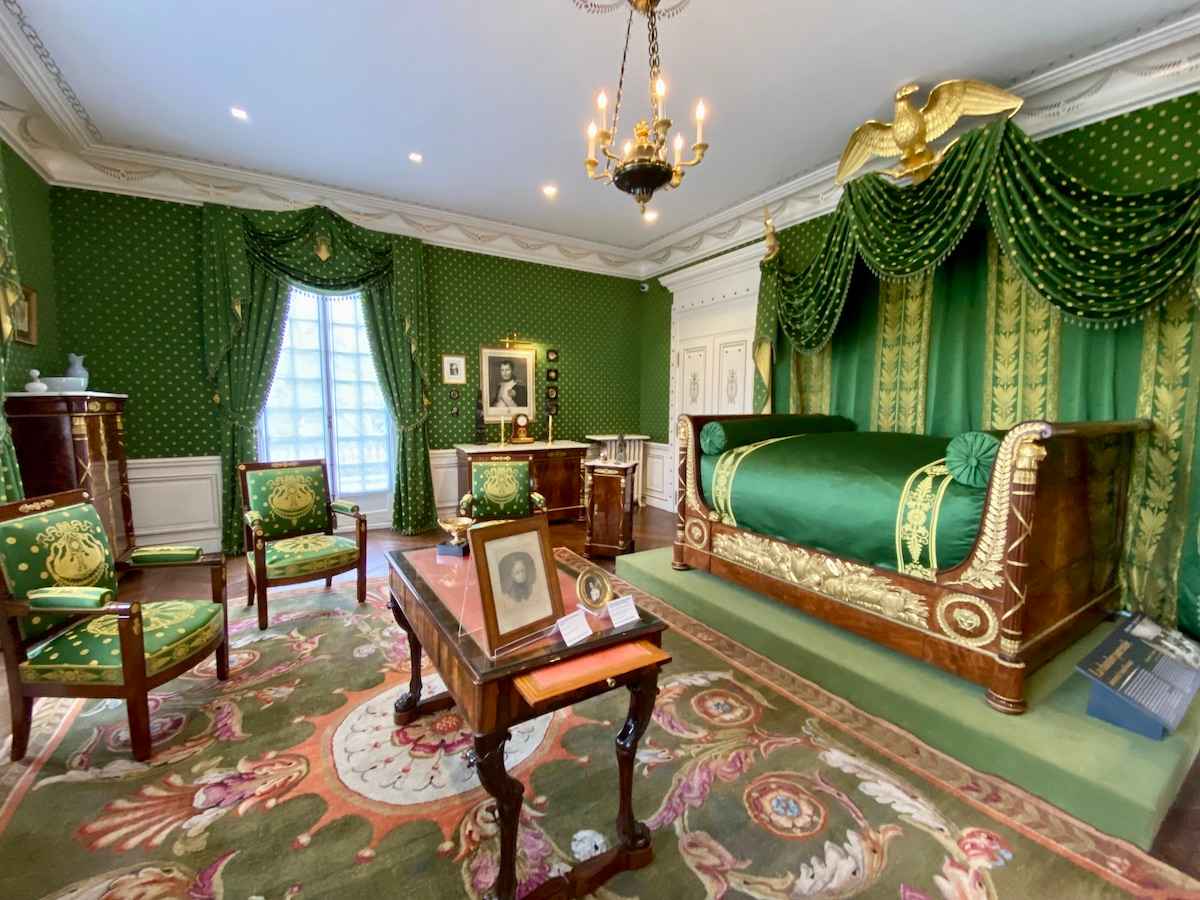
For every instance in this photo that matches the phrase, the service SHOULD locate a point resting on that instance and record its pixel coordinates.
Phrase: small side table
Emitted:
(609, 501)
(635, 448)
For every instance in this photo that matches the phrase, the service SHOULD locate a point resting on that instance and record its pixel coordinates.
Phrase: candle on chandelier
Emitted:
(678, 147)
(591, 133)
(628, 149)
(602, 105)
(660, 91)
(700, 122)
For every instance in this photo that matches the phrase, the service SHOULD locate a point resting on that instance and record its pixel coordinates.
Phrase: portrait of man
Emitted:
(508, 380)
(516, 576)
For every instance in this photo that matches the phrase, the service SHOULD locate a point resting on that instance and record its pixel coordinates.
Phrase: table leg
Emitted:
(634, 835)
(408, 706)
(488, 756)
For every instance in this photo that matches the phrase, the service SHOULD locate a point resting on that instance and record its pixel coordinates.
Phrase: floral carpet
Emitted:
(290, 780)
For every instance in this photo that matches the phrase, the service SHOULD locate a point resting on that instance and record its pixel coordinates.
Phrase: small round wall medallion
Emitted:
(551, 392)
(454, 394)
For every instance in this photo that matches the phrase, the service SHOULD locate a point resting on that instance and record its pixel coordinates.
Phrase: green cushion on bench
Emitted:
(144, 556)
(69, 597)
(726, 434)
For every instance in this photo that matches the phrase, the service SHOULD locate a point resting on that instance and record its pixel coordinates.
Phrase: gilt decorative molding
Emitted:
(46, 122)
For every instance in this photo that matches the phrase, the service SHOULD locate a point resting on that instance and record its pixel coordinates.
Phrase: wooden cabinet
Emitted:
(609, 498)
(555, 471)
(75, 440)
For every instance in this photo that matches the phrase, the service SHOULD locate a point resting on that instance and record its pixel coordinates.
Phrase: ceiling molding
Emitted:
(60, 140)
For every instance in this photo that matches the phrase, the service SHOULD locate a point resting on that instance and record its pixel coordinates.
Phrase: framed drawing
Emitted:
(506, 381)
(551, 392)
(518, 581)
(22, 313)
(454, 368)
(552, 374)
(551, 356)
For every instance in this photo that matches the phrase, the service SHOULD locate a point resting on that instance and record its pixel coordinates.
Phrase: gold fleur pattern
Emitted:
(812, 381)
(902, 354)
(1021, 350)
(917, 517)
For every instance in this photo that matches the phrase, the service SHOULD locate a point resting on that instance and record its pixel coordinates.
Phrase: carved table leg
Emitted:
(488, 757)
(409, 705)
(634, 835)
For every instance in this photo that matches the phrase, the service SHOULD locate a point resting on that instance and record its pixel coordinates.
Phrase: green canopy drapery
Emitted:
(1102, 257)
(10, 290)
(250, 261)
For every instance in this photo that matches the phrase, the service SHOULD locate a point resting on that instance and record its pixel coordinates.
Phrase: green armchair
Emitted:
(289, 519)
(501, 489)
(66, 631)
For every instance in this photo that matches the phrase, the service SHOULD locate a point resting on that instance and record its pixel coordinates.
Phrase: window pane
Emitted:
(293, 421)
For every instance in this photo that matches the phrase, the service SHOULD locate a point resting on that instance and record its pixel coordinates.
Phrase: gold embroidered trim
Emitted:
(850, 583)
(917, 517)
(812, 382)
(902, 355)
(724, 472)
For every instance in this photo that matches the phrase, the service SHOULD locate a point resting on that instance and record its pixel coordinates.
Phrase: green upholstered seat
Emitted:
(500, 489)
(289, 499)
(89, 651)
(290, 557)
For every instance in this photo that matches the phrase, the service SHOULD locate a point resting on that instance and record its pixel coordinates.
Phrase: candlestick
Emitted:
(550, 430)
(700, 122)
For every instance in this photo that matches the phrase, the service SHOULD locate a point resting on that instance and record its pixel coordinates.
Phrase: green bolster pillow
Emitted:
(344, 506)
(69, 597)
(148, 556)
(720, 435)
(970, 457)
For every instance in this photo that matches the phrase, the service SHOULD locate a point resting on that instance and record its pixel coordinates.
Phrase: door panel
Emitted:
(731, 377)
(694, 384)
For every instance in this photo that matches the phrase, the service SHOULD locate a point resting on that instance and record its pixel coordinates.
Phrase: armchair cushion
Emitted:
(55, 547)
(252, 517)
(290, 499)
(89, 651)
(164, 554)
(74, 597)
(500, 489)
(344, 506)
(309, 554)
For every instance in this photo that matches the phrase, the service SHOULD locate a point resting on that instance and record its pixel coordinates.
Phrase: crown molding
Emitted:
(59, 139)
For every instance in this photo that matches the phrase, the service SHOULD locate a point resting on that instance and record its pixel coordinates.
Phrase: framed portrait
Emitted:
(552, 374)
(593, 589)
(551, 356)
(552, 408)
(507, 382)
(551, 392)
(454, 368)
(518, 581)
(22, 314)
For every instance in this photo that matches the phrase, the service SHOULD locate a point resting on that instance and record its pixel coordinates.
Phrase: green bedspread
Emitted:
(842, 493)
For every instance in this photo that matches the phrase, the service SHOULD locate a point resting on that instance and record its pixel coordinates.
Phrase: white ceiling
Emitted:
(497, 95)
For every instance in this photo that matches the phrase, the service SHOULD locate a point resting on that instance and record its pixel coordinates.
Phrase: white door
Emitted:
(694, 392)
(733, 394)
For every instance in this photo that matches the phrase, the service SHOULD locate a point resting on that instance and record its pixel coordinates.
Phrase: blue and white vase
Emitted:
(75, 368)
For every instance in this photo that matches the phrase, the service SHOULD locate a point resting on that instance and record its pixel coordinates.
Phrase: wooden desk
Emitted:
(436, 602)
(555, 471)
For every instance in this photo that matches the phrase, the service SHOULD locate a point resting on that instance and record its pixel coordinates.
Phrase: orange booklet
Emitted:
(554, 680)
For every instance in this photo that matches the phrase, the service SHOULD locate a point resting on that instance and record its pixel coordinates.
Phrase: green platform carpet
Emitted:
(1117, 781)
(291, 781)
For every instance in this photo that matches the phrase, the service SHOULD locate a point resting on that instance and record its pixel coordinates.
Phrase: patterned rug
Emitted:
(291, 781)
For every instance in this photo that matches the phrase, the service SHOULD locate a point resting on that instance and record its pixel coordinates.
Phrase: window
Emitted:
(325, 401)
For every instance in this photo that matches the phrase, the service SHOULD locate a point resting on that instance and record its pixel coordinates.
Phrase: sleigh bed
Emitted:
(986, 573)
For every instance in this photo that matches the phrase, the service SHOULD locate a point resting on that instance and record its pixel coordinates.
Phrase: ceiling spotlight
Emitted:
(550, 190)
(650, 216)
(416, 157)
(240, 114)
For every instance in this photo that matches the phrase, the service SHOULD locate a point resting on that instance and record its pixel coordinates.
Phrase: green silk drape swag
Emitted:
(251, 259)
(10, 290)
(1101, 257)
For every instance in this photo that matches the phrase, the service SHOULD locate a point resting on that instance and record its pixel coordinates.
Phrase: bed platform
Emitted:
(1041, 571)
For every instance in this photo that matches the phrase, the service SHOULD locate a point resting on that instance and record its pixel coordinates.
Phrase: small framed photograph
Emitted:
(552, 407)
(551, 356)
(454, 368)
(454, 393)
(507, 381)
(22, 314)
(593, 589)
(518, 581)
(552, 374)
(551, 392)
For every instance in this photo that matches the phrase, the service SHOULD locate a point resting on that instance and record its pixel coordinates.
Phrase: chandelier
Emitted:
(642, 167)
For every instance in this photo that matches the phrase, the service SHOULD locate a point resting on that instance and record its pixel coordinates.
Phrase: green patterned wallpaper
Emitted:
(592, 320)
(29, 203)
(128, 277)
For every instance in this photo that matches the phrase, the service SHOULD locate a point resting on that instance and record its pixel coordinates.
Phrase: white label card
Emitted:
(622, 611)
(574, 627)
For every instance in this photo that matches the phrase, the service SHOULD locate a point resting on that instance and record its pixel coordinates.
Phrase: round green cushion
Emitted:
(970, 456)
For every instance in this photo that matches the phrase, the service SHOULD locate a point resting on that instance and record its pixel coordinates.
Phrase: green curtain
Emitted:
(251, 259)
(1101, 257)
(10, 291)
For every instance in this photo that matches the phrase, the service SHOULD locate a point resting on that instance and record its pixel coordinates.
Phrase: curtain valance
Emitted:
(1101, 257)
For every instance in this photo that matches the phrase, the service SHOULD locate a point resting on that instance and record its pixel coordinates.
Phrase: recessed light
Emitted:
(650, 216)
(240, 114)
(416, 157)
(550, 190)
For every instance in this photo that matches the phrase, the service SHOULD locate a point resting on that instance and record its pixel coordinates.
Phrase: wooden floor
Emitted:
(1177, 839)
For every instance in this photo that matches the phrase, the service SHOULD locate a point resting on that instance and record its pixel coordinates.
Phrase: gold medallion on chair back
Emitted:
(291, 500)
(500, 489)
(60, 547)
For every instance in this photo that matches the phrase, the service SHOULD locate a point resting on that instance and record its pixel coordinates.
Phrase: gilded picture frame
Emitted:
(507, 382)
(23, 316)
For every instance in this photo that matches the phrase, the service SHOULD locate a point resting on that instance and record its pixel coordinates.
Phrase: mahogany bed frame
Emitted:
(1040, 574)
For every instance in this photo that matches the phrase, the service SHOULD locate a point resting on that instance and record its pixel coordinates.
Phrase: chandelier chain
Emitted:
(616, 129)
(655, 59)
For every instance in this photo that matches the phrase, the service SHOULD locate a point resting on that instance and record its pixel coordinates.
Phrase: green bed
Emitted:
(881, 498)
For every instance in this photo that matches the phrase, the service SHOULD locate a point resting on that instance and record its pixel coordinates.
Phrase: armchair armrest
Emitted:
(73, 598)
(113, 607)
(252, 518)
(537, 502)
(130, 560)
(346, 508)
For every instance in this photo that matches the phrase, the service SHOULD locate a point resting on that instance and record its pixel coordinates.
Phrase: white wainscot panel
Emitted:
(444, 464)
(659, 481)
(177, 500)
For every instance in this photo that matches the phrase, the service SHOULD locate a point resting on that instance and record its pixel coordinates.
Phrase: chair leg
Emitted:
(362, 578)
(328, 581)
(249, 588)
(260, 589)
(223, 659)
(22, 720)
(139, 726)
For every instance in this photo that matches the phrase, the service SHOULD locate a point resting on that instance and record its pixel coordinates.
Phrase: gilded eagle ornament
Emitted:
(908, 134)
